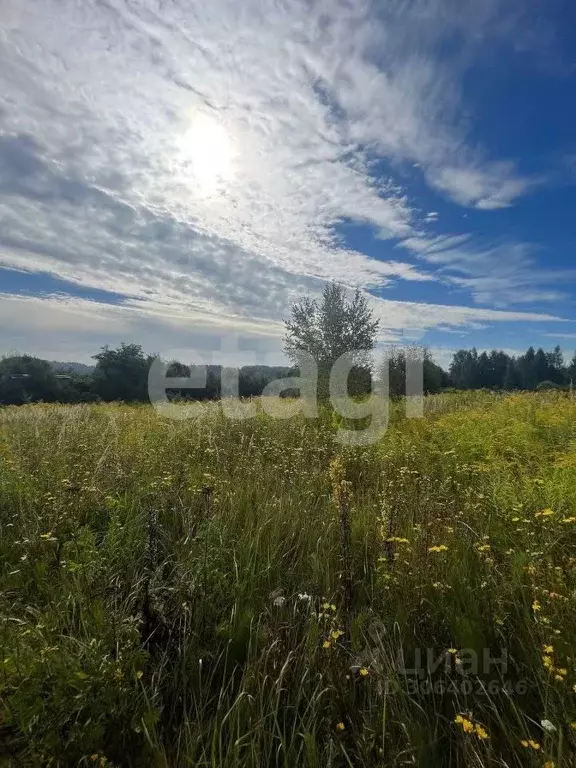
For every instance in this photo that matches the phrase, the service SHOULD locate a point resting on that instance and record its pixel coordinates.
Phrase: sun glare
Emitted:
(207, 154)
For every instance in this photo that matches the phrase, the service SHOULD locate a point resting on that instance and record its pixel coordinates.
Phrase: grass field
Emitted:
(249, 593)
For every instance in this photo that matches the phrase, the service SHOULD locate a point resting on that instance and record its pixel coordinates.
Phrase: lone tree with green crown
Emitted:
(328, 328)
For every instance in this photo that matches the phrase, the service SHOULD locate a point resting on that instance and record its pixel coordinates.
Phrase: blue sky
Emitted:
(177, 174)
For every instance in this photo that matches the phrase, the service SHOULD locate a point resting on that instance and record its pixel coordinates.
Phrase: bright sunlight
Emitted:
(208, 154)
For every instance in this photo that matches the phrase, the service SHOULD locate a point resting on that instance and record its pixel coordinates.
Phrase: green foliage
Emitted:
(26, 379)
(174, 593)
(394, 367)
(329, 329)
(497, 370)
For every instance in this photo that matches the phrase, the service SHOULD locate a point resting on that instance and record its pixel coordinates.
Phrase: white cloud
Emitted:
(58, 327)
(106, 183)
(502, 274)
(560, 335)
(491, 186)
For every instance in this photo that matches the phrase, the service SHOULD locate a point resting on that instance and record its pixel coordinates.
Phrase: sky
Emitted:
(176, 173)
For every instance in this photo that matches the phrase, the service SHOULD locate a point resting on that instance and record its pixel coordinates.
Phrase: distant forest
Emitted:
(122, 375)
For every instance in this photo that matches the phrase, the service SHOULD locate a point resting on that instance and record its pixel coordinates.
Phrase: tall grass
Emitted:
(249, 593)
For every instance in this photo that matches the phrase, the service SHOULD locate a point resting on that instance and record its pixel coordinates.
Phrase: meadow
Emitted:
(250, 593)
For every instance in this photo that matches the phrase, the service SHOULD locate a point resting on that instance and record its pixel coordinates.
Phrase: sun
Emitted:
(207, 154)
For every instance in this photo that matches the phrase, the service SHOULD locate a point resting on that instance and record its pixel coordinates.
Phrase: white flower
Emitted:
(548, 726)
(304, 597)
(279, 601)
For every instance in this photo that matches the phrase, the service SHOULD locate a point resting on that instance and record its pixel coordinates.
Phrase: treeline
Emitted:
(118, 374)
(122, 375)
(497, 370)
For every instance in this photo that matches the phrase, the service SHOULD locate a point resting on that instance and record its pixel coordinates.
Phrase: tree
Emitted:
(526, 369)
(26, 379)
(556, 365)
(542, 370)
(330, 328)
(395, 358)
(511, 376)
(122, 374)
(464, 369)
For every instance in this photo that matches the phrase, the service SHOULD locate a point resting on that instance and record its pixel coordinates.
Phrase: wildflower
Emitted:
(467, 725)
(453, 651)
(337, 634)
(547, 661)
(326, 644)
(340, 726)
(573, 725)
(363, 672)
(536, 606)
(548, 726)
(325, 606)
(549, 764)
(481, 732)
(484, 548)
(548, 649)
(545, 513)
(530, 743)
(279, 601)
(139, 674)
(438, 548)
(568, 520)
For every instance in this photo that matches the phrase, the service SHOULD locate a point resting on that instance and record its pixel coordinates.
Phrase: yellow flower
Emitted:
(438, 548)
(545, 513)
(573, 725)
(325, 606)
(337, 633)
(547, 661)
(363, 672)
(467, 725)
(139, 674)
(549, 764)
(530, 743)
(536, 606)
(326, 644)
(548, 649)
(340, 726)
(452, 650)
(481, 732)
(484, 548)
